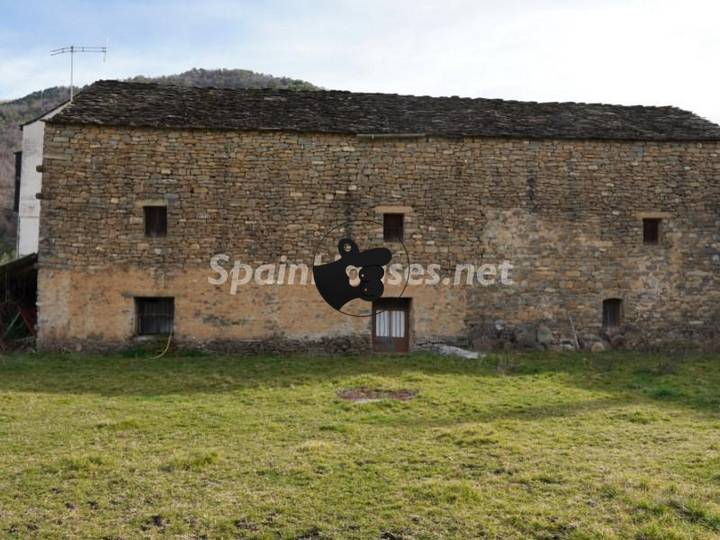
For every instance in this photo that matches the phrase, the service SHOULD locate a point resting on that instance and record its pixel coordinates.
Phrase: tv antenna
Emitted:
(71, 50)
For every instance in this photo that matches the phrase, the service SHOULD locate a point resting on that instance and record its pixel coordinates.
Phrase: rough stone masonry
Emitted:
(559, 190)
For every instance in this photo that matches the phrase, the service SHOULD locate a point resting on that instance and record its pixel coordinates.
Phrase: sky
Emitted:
(628, 52)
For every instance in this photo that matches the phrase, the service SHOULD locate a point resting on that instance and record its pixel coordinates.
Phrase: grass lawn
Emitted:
(613, 445)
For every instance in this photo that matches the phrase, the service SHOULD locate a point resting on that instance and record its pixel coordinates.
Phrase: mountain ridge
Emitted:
(15, 112)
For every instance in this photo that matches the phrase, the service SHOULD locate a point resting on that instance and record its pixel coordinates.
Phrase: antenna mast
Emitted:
(72, 49)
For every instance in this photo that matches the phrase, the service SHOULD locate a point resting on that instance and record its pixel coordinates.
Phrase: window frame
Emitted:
(145, 327)
(391, 343)
(160, 221)
(654, 238)
(612, 312)
(392, 232)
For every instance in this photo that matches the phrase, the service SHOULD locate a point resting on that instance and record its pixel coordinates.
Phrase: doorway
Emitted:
(391, 325)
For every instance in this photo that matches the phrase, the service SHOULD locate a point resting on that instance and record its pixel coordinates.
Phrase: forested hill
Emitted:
(15, 112)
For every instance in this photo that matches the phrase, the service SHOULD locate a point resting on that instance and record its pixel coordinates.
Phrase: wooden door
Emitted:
(391, 325)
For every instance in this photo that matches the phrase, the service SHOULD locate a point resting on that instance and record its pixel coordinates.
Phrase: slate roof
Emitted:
(116, 103)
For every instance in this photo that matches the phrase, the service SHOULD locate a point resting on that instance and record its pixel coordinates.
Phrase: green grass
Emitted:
(614, 445)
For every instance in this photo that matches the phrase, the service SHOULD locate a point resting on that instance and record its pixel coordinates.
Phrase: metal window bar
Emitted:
(398, 323)
(390, 323)
(382, 324)
(155, 315)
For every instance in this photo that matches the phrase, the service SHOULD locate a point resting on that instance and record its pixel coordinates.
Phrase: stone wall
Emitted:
(566, 214)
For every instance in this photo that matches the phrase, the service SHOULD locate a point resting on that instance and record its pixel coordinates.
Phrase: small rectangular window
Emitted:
(393, 227)
(155, 220)
(154, 315)
(651, 230)
(612, 312)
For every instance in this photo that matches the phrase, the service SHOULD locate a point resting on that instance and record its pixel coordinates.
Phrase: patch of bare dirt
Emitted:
(366, 395)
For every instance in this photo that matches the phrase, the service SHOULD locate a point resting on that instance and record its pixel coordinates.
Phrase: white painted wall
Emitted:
(28, 230)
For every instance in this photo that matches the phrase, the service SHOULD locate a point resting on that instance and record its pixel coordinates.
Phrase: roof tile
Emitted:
(116, 103)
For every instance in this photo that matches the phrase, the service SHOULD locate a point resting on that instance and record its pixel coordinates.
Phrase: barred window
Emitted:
(154, 315)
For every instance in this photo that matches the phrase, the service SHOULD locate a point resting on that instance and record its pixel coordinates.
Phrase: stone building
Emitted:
(561, 224)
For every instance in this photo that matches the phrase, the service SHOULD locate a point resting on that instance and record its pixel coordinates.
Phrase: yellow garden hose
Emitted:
(167, 347)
